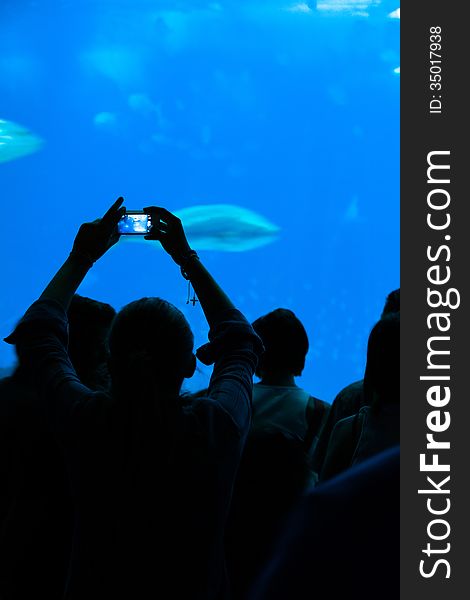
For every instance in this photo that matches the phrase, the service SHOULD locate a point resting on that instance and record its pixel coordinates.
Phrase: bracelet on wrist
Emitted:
(185, 260)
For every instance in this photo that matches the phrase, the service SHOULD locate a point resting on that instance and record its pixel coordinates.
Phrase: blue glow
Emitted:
(289, 110)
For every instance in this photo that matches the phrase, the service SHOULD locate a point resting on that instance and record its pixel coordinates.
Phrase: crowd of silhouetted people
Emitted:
(114, 484)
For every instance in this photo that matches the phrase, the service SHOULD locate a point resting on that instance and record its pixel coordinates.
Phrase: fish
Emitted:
(226, 227)
(105, 120)
(300, 7)
(223, 227)
(16, 141)
(352, 211)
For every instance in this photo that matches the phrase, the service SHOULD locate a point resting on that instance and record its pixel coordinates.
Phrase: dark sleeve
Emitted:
(316, 415)
(340, 449)
(234, 347)
(41, 339)
(347, 403)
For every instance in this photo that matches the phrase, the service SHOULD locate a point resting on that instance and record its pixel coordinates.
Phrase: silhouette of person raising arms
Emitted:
(151, 478)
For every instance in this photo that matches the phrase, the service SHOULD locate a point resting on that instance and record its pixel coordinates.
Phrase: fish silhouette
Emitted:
(16, 141)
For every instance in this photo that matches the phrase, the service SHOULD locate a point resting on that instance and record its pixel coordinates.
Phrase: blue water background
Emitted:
(287, 110)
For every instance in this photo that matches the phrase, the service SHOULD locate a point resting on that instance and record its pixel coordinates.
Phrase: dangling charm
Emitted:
(194, 299)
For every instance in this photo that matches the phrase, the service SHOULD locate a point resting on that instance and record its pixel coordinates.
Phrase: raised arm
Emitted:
(233, 345)
(168, 230)
(41, 337)
(92, 241)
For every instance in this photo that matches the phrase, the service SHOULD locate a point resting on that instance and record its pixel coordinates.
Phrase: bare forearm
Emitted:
(211, 296)
(91, 242)
(66, 281)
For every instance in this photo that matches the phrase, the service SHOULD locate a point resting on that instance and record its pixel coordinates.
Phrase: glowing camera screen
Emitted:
(134, 224)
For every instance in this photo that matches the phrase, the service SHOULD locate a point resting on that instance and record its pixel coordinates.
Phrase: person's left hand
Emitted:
(94, 239)
(168, 230)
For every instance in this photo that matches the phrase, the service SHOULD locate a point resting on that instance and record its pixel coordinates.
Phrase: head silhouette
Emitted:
(151, 347)
(89, 324)
(392, 303)
(285, 341)
(382, 376)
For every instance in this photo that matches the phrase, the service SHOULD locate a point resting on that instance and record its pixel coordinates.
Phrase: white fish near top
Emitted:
(222, 227)
(16, 141)
(300, 7)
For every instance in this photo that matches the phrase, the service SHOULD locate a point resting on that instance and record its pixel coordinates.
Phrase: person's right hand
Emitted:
(95, 238)
(168, 230)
